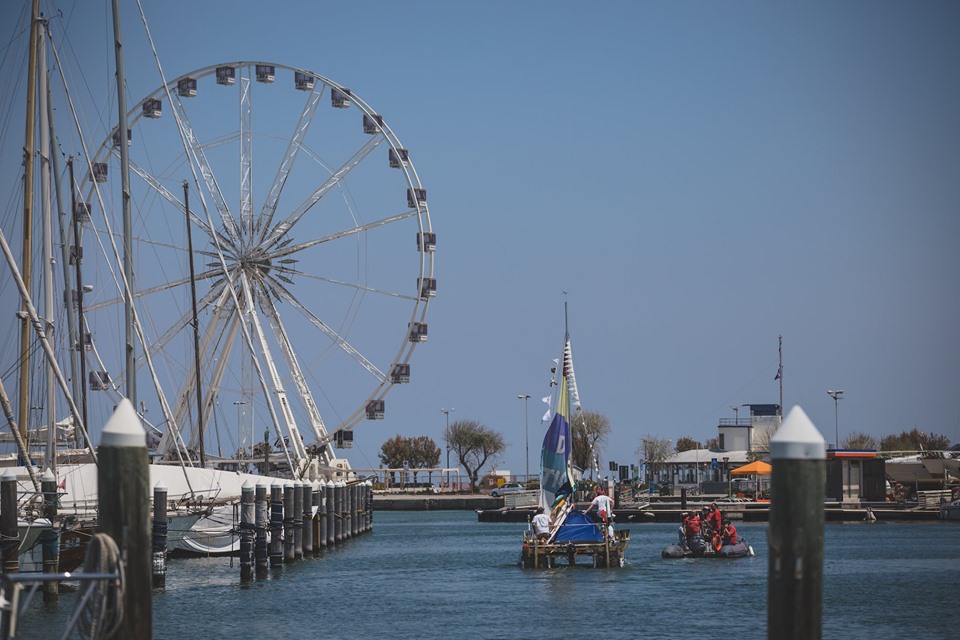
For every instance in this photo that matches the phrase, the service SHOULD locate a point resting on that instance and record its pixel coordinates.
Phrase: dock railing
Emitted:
(18, 590)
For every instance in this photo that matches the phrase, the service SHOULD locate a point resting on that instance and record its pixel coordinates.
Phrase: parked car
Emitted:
(510, 487)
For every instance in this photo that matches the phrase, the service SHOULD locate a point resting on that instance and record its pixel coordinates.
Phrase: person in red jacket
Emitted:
(714, 518)
(729, 533)
(691, 526)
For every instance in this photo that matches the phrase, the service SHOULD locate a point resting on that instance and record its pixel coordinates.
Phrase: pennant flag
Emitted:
(779, 373)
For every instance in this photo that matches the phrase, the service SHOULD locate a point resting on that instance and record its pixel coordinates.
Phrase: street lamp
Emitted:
(446, 438)
(837, 395)
(526, 429)
(736, 413)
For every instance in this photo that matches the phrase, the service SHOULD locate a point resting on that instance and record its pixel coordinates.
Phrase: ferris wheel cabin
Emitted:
(375, 409)
(340, 98)
(418, 332)
(266, 73)
(187, 87)
(400, 373)
(226, 75)
(398, 158)
(303, 81)
(152, 108)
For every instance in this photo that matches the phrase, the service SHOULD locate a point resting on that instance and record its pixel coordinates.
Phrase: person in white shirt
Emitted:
(604, 506)
(541, 524)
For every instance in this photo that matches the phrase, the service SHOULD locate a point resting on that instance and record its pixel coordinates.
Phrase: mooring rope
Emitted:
(99, 609)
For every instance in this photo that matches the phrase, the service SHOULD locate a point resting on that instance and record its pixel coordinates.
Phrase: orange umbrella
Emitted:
(758, 467)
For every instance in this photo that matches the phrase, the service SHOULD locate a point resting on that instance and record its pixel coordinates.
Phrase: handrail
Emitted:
(11, 608)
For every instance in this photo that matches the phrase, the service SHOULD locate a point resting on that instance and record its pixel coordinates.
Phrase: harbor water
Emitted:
(441, 574)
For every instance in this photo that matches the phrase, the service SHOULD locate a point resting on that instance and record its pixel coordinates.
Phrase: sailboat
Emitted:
(572, 533)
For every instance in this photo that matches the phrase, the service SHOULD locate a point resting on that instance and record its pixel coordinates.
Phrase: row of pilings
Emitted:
(281, 523)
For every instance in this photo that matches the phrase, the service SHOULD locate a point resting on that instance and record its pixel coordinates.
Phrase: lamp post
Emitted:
(736, 413)
(240, 404)
(526, 429)
(837, 395)
(446, 439)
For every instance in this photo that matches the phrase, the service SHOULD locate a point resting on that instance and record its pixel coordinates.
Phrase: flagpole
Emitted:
(780, 371)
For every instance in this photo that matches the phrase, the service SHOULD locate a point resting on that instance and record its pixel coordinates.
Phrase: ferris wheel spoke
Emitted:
(289, 158)
(152, 290)
(294, 248)
(284, 227)
(199, 159)
(339, 340)
(344, 283)
(165, 193)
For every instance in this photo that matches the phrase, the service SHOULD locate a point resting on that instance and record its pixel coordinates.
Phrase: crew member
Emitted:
(729, 533)
(691, 526)
(541, 525)
(714, 518)
(604, 506)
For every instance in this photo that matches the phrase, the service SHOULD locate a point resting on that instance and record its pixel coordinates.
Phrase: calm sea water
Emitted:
(444, 575)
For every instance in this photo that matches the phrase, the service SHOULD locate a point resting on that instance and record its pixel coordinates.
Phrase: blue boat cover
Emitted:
(578, 527)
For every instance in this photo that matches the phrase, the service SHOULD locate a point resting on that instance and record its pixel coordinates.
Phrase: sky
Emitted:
(693, 180)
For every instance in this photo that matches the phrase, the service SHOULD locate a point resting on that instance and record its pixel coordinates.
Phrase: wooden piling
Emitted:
(50, 540)
(9, 532)
(329, 502)
(158, 547)
(297, 521)
(307, 518)
(338, 491)
(261, 558)
(247, 531)
(795, 565)
(276, 525)
(322, 515)
(124, 495)
(289, 555)
(347, 511)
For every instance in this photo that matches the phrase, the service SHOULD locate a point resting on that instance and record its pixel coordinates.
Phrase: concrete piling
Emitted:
(276, 526)
(322, 515)
(297, 520)
(330, 506)
(338, 492)
(795, 565)
(247, 530)
(158, 547)
(261, 520)
(9, 533)
(288, 520)
(307, 518)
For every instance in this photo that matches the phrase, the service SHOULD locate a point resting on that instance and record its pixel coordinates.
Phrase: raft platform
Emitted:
(602, 555)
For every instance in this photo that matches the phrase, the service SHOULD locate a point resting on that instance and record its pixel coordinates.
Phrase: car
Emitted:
(510, 487)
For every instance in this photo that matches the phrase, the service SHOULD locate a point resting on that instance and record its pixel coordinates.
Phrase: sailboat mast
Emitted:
(131, 380)
(27, 257)
(196, 326)
(81, 330)
(46, 203)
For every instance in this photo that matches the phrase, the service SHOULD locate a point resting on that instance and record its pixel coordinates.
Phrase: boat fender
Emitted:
(750, 551)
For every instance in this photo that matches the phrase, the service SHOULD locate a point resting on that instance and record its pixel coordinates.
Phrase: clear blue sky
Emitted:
(699, 178)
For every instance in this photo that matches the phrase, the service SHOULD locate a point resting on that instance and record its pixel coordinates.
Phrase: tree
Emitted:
(588, 431)
(415, 453)
(858, 440)
(712, 443)
(474, 444)
(653, 451)
(914, 440)
(687, 443)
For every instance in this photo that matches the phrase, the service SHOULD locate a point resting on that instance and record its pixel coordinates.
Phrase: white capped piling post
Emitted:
(356, 508)
(795, 565)
(338, 510)
(316, 498)
(123, 487)
(321, 516)
(297, 520)
(247, 525)
(50, 540)
(9, 533)
(288, 517)
(276, 525)
(261, 519)
(329, 504)
(307, 518)
(158, 547)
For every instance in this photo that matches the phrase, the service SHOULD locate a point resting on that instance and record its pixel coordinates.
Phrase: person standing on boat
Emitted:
(604, 506)
(714, 518)
(541, 525)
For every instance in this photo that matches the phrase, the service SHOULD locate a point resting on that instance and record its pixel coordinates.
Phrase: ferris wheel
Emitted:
(310, 292)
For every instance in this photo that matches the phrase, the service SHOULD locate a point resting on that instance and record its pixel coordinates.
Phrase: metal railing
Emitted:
(13, 604)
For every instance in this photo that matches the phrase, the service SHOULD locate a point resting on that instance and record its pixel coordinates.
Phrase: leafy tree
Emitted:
(475, 444)
(417, 453)
(712, 443)
(914, 440)
(858, 440)
(761, 441)
(687, 443)
(588, 431)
